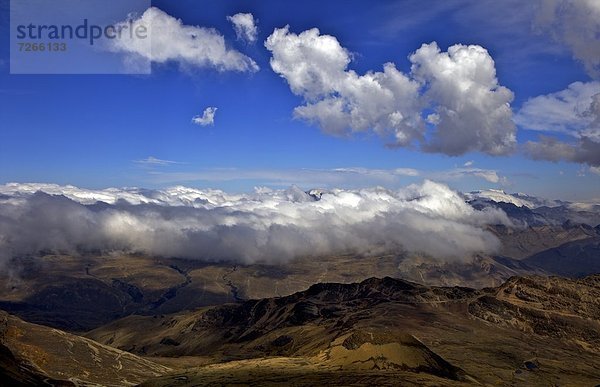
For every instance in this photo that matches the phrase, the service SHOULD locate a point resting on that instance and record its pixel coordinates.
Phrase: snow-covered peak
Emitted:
(173, 196)
(315, 193)
(499, 196)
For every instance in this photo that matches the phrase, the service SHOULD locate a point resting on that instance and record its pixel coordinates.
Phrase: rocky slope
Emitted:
(532, 330)
(356, 358)
(36, 355)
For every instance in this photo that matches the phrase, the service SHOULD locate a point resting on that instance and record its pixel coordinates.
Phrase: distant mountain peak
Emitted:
(315, 193)
(518, 199)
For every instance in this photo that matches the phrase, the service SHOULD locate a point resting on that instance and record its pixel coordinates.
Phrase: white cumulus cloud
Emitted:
(207, 117)
(169, 40)
(338, 99)
(471, 110)
(244, 26)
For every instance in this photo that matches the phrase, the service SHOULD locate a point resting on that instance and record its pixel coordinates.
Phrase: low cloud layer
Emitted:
(270, 226)
(169, 40)
(450, 102)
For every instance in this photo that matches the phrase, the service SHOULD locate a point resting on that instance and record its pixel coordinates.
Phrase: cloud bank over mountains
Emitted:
(269, 225)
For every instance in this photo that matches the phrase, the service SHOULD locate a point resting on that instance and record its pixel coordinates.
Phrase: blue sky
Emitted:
(101, 130)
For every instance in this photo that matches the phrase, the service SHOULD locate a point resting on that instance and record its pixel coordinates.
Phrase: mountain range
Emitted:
(526, 312)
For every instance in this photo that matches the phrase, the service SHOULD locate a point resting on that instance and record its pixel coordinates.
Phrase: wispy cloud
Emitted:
(153, 161)
(395, 20)
(329, 178)
(488, 175)
(506, 23)
(575, 24)
(353, 177)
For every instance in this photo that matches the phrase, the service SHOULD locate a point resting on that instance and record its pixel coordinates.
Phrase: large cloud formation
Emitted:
(338, 99)
(472, 110)
(455, 92)
(268, 225)
(169, 40)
